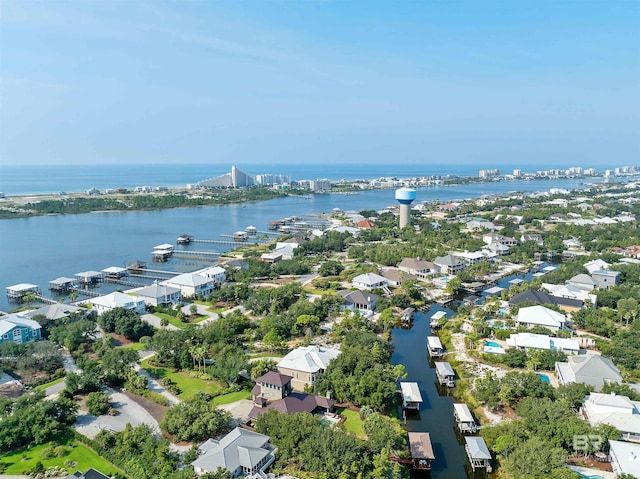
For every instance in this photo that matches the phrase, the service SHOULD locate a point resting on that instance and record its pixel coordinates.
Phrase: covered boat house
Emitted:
(464, 419)
(445, 374)
(411, 397)
(434, 347)
(421, 450)
(478, 453)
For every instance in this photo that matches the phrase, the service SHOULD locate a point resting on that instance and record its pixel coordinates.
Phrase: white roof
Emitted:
(10, 321)
(155, 290)
(434, 342)
(310, 359)
(569, 291)
(540, 315)
(116, 300)
(596, 264)
(164, 246)
(626, 456)
(114, 270)
(438, 315)
(462, 413)
(211, 271)
(516, 281)
(162, 251)
(542, 341)
(22, 287)
(187, 279)
(89, 274)
(62, 280)
(494, 290)
(444, 369)
(410, 392)
(369, 279)
(477, 447)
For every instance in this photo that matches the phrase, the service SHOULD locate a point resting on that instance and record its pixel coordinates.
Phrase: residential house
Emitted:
(159, 294)
(57, 311)
(617, 411)
(91, 473)
(499, 248)
(305, 364)
(110, 301)
(191, 284)
(543, 342)
(570, 298)
(625, 458)
(396, 277)
(590, 369)
(358, 300)
(470, 257)
(241, 452)
(582, 281)
(215, 273)
(365, 224)
(449, 264)
(535, 237)
(274, 391)
(596, 265)
(419, 268)
(605, 279)
(479, 225)
(369, 281)
(19, 329)
(540, 316)
(491, 238)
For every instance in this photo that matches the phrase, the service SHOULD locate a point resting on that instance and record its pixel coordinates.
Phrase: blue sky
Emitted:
(436, 82)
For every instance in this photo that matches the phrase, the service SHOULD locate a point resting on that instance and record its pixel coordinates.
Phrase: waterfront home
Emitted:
(19, 329)
(419, 268)
(535, 237)
(449, 264)
(617, 411)
(625, 458)
(395, 277)
(57, 311)
(191, 284)
(368, 281)
(274, 391)
(105, 303)
(543, 342)
(215, 273)
(305, 364)
(241, 452)
(470, 257)
(540, 316)
(596, 265)
(158, 295)
(569, 297)
(590, 369)
(358, 300)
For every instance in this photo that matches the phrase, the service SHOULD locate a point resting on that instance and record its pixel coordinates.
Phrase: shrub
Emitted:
(98, 403)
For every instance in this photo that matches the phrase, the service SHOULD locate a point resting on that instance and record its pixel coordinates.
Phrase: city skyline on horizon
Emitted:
(493, 85)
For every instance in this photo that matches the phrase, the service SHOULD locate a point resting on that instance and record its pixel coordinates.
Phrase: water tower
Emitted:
(405, 197)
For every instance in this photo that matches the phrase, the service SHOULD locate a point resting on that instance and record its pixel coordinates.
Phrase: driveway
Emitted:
(156, 322)
(156, 387)
(202, 311)
(130, 413)
(239, 410)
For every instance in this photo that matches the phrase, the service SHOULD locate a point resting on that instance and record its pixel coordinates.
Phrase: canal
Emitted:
(436, 411)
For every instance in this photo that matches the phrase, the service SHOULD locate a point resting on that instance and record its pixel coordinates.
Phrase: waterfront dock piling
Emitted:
(464, 419)
(478, 453)
(445, 374)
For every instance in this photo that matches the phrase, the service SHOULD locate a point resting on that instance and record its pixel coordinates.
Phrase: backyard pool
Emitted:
(493, 348)
(492, 344)
(545, 379)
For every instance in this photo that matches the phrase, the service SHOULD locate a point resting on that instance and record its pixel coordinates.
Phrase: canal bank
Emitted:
(436, 411)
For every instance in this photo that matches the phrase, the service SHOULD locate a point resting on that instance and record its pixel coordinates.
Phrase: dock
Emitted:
(478, 453)
(434, 347)
(464, 419)
(114, 272)
(85, 292)
(229, 242)
(407, 317)
(421, 450)
(125, 282)
(444, 300)
(90, 278)
(184, 239)
(436, 319)
(445, 374)
(61, 285)
(18, 291)
(411, 397)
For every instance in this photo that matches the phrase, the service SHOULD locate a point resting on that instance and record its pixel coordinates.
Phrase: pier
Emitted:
(19, 291)
(61, 285)
(229, 242)
(85, 292)
(434, 347)
(125, 282)
(445, 374)
(478, 453)
(464, 420)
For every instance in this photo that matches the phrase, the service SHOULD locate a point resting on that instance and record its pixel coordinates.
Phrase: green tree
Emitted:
(98, 403)
(195, 419)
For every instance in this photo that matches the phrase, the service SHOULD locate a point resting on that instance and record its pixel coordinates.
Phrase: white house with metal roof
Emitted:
(543, 342)
(18, 329)
(110, 301)
(617, 411)
(305, 364)
(191, 284)
(158, 294)
(369, 281)
(540, 316)
(625, 458)
(241, 452)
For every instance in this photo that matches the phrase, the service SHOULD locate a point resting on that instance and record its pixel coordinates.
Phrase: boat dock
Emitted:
(445, 374)
(421, 450)
(478, 453)
(434, 347)
(411, 397)
(436, 319)
(464, 419)
(61, 285)
(85, 292)
(125, 282)
(407, 317)
(230, 242)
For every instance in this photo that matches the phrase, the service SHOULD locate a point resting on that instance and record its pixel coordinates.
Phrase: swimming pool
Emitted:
(493, 348)
(444, 279)
(545, 379)
(492, 344)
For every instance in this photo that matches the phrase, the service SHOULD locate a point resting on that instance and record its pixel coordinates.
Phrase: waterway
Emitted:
(39, 249)
(436, 411)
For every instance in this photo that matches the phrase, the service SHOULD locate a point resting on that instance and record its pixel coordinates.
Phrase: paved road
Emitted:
(202, 311)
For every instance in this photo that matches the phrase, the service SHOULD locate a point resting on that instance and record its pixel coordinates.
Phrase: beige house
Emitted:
(305, 364)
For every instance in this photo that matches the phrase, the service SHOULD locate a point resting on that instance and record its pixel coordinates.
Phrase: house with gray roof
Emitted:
(241, 452)
(419, 268)
(582, 281)
(590, 369)
(110, 301)
(614, 410)
(605, 279)
(369, 281)
(365, 302)
(395, 277)
(191, 284)
(56, 311)
(306, 363)
(159, 294)
(91, 473)
(449, 264)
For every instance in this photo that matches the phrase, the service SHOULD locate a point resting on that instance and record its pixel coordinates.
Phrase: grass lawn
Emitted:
(265, 355)
(352, 422)
(44, 386)
(25, 459)
(232, 397)
(133, 346)
(176, 322)
(188, 385)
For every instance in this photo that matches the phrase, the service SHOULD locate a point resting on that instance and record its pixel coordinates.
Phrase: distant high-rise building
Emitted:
(320, 186)
(517, 173)
(235, 179)
(488, 173)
